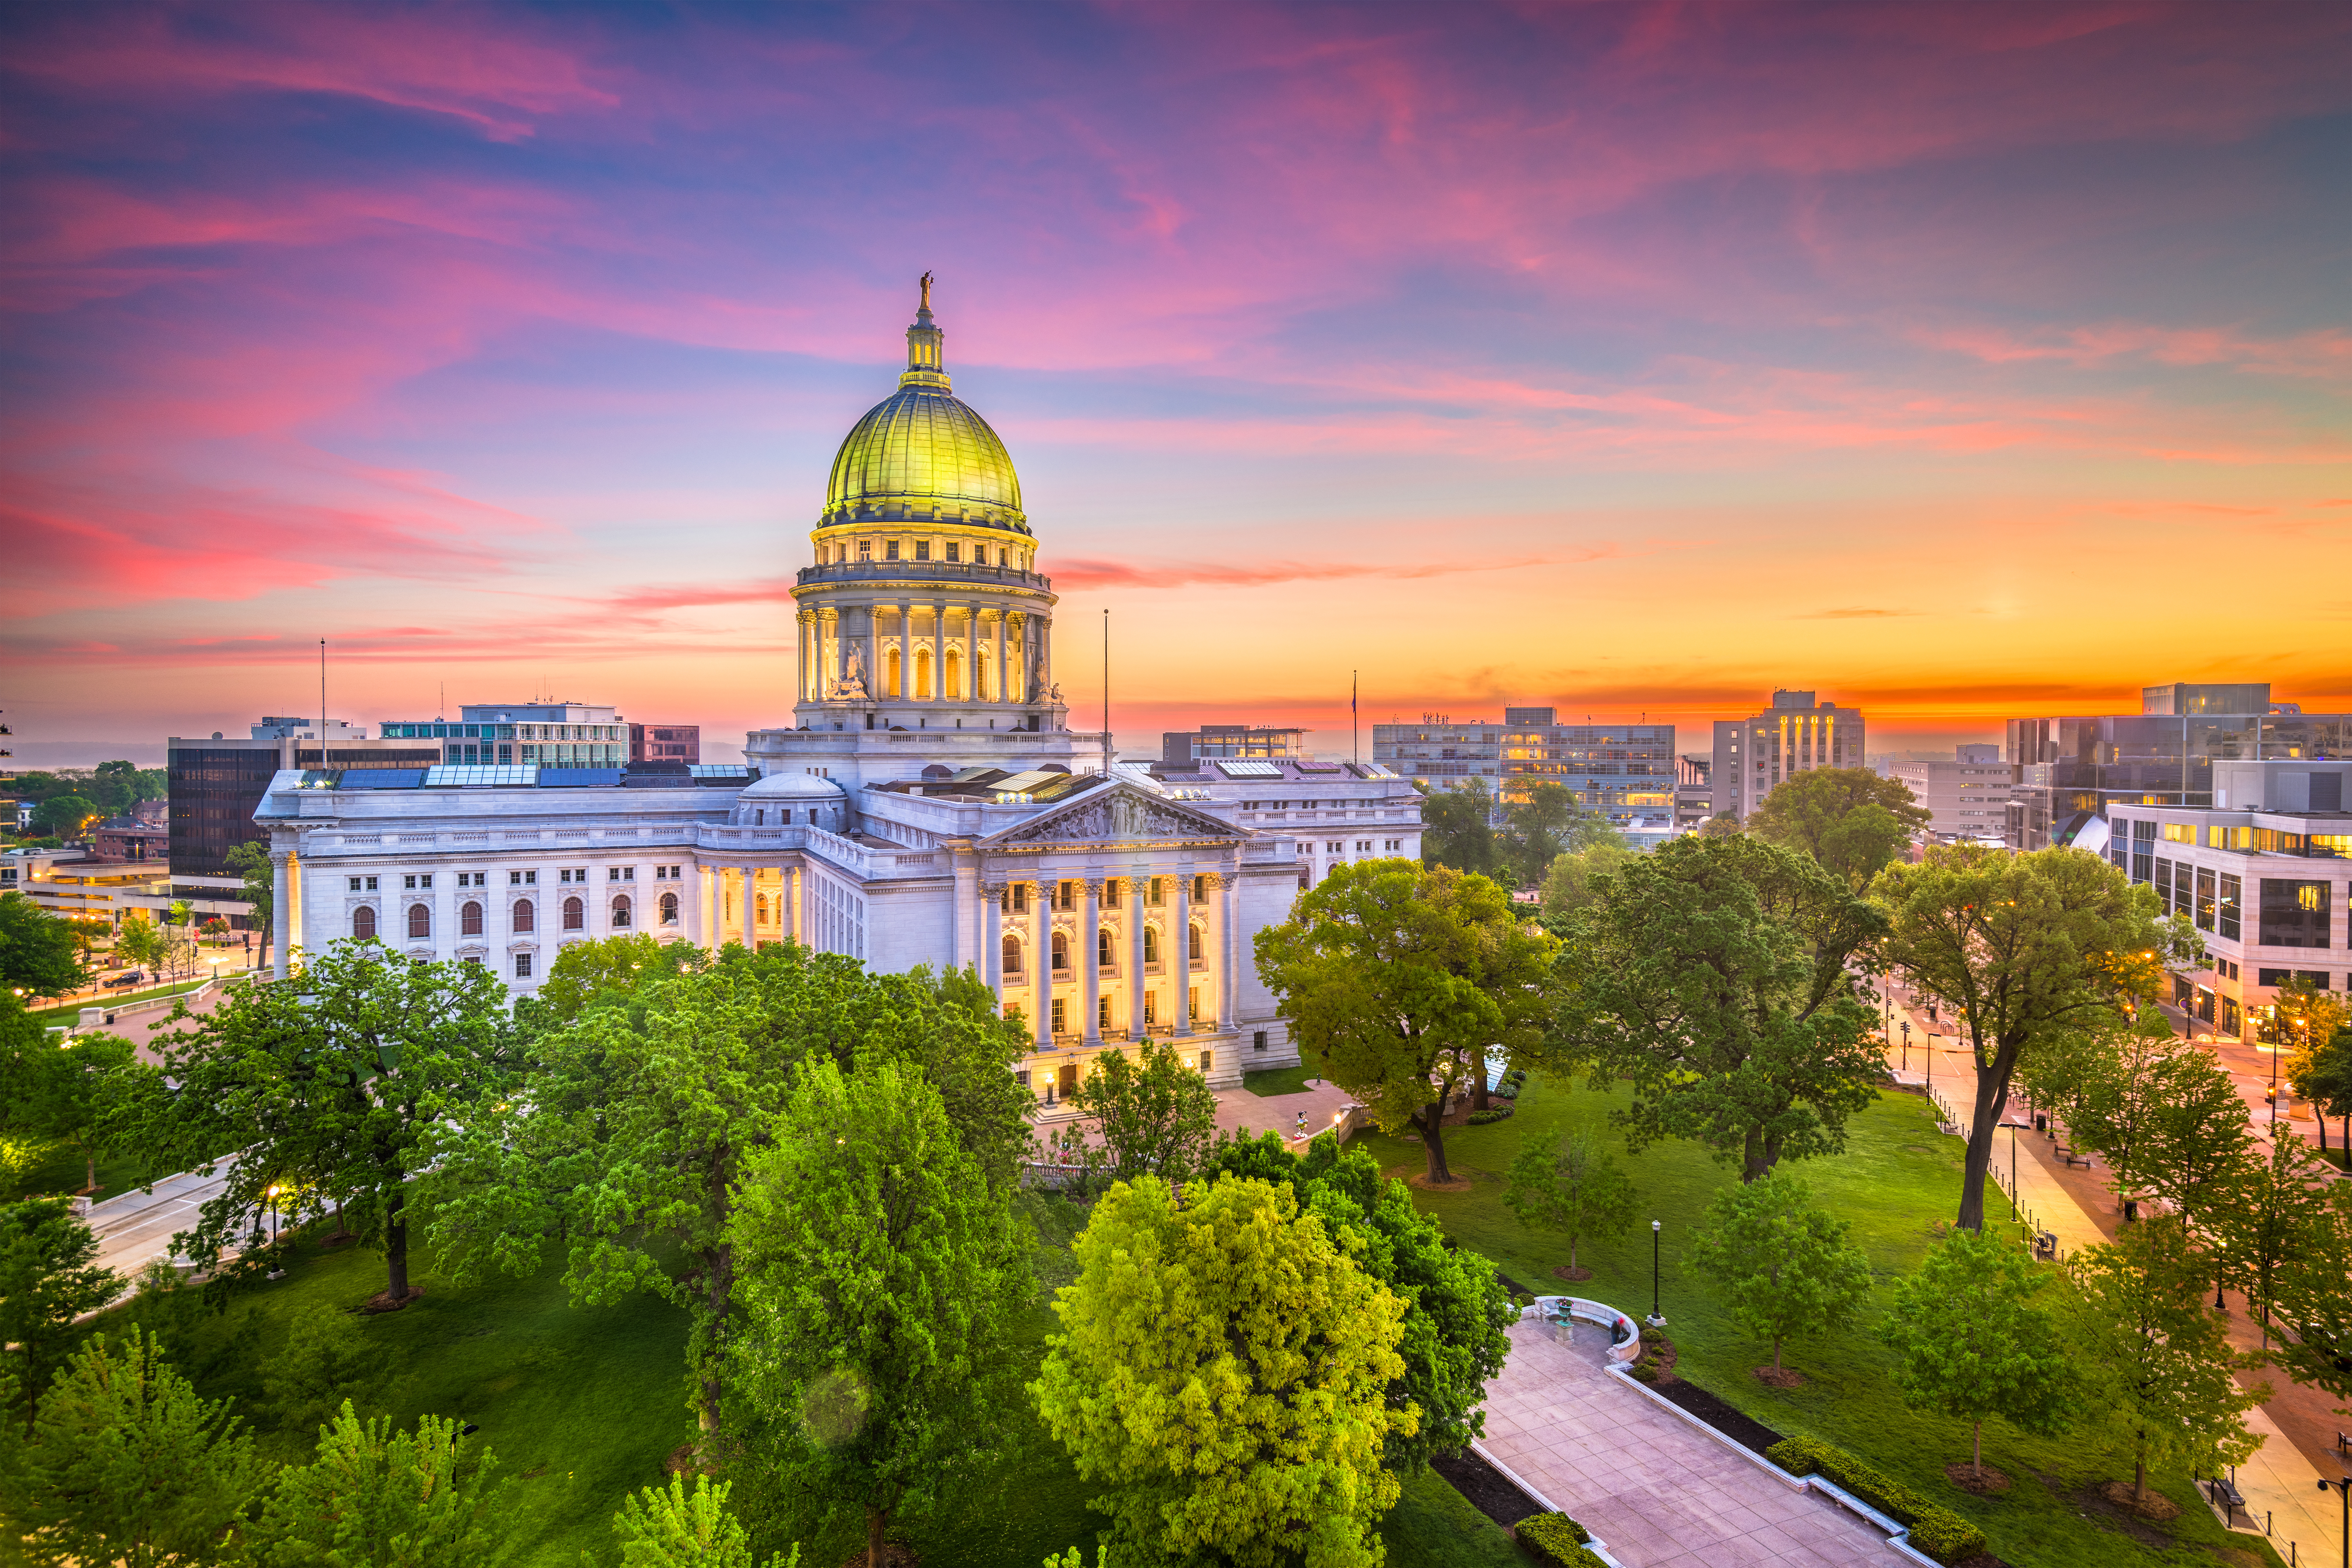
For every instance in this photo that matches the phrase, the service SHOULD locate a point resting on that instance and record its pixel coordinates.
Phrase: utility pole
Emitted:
(1108, 752)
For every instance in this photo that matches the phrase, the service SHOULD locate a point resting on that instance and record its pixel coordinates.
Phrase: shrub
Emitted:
(1555, 1539)
(1492, 1114)
(1936, 1530)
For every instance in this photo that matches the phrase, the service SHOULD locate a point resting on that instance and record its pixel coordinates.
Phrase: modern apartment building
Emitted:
(1626, 773)
(1969, 798)
(2261, 868)
(1794, 735)
(1694, 794)
(2074, 773)
(549, 734)
(665, 743)
(1180, 748)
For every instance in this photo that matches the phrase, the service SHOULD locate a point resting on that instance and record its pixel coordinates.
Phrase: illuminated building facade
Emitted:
(1753, 756)
(1625, 773)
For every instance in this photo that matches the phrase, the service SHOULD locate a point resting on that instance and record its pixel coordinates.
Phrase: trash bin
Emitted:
(2040, 1121)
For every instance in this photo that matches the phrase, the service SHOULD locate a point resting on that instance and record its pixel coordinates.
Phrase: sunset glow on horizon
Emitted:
(1958, 363)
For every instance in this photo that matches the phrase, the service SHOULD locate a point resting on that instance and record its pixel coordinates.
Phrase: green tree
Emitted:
(678, 1529)
(49, 1276)
(1851, 820)
(1544, 823)
(250, 862)
(1971, 1342)
(1722, 825)
(67, 816)
(128, 1467)
(1574, 881)
(2323, 1076)
(1458, 828)
(141, 941)
(637, 1122)
(1220, 1375)
(333, 1078)
(1397, 978)
(67, 1094)
(2165, 1371)
(376, 1498)
(613, 971)
(2272, 1212)
(2027, 949)
(325, 1359)
(1154, 1112)
(2307, 1294)
(2123, 1073)
(39, 955)
(1784, 1263)
(117, 786)
(2194, 1149)
(879, 1276)
(1569, 1185)
(1717, 974)
(1454, 1336)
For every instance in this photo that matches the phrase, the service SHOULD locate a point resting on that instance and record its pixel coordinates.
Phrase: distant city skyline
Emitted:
(1626, 361)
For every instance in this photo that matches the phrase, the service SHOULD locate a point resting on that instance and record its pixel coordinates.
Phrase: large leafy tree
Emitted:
(1153, 1113)
(2322, 1074)
(2273, 1213)
(128, 1466)
(1571, 1185)
(2165, 1373)
(1572, 883)
(1716, 975)
(49, 1276)
(1545, 823)
(1451, 1338)
(2112, 1085)
(613, 971)
(1220, 1373)
(2194, 1152)
(1458, 828)
(637, 1122)
(2307, 1294)
(250, 862)
(37, 954)
(334, 1079)
(386, 1499)
(880, 1277)
(70, 1093)
(2027, 950)
(1849, 819)
(1397, 978)
(67, 816)
(1784, 1262)
(1972, 1341)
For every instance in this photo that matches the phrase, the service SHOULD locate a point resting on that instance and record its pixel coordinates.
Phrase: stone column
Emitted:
(1180, 950)
(906, 651)
(1090, 965)
(800, 922)
(1136, 981)
(939, 650)
(960, 916)
(992, 938)
(1229, 903)
(998, 668)
(972, 653)
(706, 933)
(750, 881)
(1041, 961)
(281, 913)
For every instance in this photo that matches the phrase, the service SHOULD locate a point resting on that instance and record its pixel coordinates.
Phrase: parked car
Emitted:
(133, 978)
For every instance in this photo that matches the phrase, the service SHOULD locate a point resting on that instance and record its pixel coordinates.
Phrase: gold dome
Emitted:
(922, 452)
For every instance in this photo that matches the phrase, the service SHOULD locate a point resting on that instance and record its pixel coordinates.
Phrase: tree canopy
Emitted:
(1153, 1113)
(2028, 949)
(386, 1499)
(1396, 978)
(1972, 1341)
(1783, 1261)
(1546, 822)
(37, 952)
(1220, 1375)
(1849, 819)
(1457, 827)
(49, 1276)
(1714, 973)
(1572, 883)
(1571, 1185)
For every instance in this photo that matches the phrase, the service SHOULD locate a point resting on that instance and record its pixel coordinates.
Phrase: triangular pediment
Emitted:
(1117, 814)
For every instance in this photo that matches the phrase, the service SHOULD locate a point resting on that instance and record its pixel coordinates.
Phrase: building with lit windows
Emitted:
(1625, 772)
(1338, 813)
(1181, 748)
(1967, 797)
(928, 805)
(547, 734)
(1797, 734)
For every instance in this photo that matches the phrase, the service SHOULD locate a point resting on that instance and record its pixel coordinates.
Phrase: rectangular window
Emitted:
(408, 882)
(1257, 1040)
(953, 551)
(523, 966)
(890, 551)
(2181, 833)
(2226, 912)
(2143, 866)
(2184, 900)
(866, 550)
(922, 549)
(2293, 913)
(2204, 900)
(1059, 1007)
(355, 884)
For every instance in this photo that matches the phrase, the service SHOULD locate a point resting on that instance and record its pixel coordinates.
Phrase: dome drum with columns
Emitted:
(923, 609)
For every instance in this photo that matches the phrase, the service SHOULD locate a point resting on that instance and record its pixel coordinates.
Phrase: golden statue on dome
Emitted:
(926, 290)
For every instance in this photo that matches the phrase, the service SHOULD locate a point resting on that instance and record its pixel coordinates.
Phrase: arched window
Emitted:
(420, 921)
(575, 915)
(1011, 956)
(759, 911)
(1102, 947)
(890, 673)
(526, 918)
(620, 913)
(669, 909)
(953, 686)
(922, 675)
(1194, 952)
(1150, 944)
(1061, 952)
(469, 920)
(364, 923)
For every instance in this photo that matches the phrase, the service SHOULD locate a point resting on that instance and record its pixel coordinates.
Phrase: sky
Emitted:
(1956, 362)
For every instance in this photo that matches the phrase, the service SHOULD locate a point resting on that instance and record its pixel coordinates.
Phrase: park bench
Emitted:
(2075, 1157)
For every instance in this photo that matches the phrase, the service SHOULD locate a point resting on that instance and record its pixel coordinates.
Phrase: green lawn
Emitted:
(61, 1171)
(1276, 1081)
(1898, 1178)
(586, 1403)
(66, 1011)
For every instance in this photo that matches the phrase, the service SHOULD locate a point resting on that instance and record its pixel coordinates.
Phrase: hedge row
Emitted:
(1555, 1539)
(1935, 1529)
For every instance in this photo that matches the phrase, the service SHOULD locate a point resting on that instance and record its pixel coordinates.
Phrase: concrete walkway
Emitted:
(136, 1228)
(1655, 1489)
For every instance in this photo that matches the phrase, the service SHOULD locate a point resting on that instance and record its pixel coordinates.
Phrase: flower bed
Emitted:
(1936, 1530)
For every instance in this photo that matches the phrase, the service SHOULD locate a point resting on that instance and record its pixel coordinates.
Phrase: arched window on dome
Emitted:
(759, 909)
(891, 676)
(984, 676)
(954, 684)
(1104, 951)
(922, 675)
(1194, 954)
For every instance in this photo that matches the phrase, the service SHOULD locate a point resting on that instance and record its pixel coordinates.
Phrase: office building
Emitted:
(665, 743)
(2261, 867)
(1796, 735)
(1180, 748)
(1969, 799)
(1625, 772)
(541, 734)
(2073, 773)
(1339, 813)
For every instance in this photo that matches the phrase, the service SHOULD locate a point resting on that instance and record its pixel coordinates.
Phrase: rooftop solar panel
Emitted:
(718, 769)
(571, 778)
(461, 775)
(1247, 769)
(382, 778)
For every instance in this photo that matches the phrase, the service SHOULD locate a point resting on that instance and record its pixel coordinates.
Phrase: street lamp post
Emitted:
(2343, 1489)
(1657, 1317)
(2013, 1209)
(1907, 1045)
